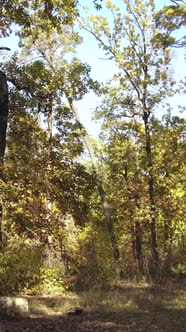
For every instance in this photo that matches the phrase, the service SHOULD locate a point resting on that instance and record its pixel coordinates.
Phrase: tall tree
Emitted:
(31, 16)
(30, 183)
(124, 182)
(74, 81)
(67, 79)
(143, 80)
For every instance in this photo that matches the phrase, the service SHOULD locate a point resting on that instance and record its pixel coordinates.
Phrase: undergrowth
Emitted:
(123, 297)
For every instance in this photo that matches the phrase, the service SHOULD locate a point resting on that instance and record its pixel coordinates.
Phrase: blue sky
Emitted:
(103, 70)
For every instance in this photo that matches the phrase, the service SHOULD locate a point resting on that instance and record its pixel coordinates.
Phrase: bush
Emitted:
(49, 282)
(18, 270)
(22, 270)
(96, 267)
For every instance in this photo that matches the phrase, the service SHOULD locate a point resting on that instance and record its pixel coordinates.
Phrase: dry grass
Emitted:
(47, 305)
(123, 296)
(123, 308)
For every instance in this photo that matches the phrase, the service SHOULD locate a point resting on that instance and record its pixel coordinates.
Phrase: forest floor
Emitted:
(124, 308)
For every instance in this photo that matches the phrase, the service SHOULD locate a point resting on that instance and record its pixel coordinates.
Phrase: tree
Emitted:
(30, 183)
(31, 16)
(124, 183)
(69, 80)
(72, 81)
(142, 83)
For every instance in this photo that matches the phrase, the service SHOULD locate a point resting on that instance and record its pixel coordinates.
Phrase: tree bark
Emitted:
(3, 128)
(3, 114)
(138, 246)
(48, 199)
(154, 247)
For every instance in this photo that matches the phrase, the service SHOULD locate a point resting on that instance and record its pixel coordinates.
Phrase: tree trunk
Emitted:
(138, 246)
(101, 191)
(48, 199)
(154, 247)
(3, 114)
(3, 127)
(138, 240)
(166, 232)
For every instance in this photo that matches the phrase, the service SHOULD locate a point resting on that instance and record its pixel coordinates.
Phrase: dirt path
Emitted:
(156, 321)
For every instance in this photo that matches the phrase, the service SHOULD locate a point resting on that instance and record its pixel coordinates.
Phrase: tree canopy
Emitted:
(95, 209)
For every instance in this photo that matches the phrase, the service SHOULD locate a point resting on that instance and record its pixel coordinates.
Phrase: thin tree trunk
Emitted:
(138, 246)
(138, 231)
(168, 236)
(48, 200)
(3, 127)
(166, 232)
(101, 191)
(138, 240)
(154, 247)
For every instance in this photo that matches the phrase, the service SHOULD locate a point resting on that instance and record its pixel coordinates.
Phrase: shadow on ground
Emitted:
(119, 310)
(124, 321)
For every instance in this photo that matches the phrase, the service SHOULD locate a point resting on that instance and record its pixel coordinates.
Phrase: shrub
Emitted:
(49, 282)
(23, 270)
(18, 269)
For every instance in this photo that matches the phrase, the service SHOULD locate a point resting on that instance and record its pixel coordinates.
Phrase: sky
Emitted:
(103, 70)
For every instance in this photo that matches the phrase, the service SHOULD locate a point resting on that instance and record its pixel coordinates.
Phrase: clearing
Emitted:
(124, 308)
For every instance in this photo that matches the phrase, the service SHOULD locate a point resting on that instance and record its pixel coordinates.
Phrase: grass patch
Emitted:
(52, 305)
(124, 307)
(124, 297)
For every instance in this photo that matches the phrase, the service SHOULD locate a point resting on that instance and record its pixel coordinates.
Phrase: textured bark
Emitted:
(138, 246)
(48, 200)
(154, 247)
(3, 114)
(3, 127)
